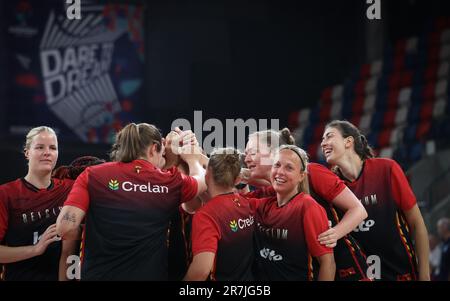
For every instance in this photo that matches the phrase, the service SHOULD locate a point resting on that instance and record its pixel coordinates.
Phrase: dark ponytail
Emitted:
(347, 129)
(75, 168)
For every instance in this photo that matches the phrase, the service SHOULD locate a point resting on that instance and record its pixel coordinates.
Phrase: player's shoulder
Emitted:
(306, 200)
(11, 186)
(220, 201)
(62, 182)
(381, 163)
(319, 170)
(316, 167)
(104, 166)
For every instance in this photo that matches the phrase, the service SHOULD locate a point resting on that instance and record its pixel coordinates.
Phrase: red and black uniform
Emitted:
(25, 213)
(324, 187)
(128, 207)
(286, 237)
(350, 260)
(179, 244)
(384, 191)
(225, 226)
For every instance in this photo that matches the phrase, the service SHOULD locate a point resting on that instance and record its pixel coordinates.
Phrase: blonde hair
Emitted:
(133, 140)
(304, 185)
(225, 166)
(34, 132)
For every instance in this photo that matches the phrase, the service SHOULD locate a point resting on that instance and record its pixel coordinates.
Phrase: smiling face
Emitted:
(258, 158)
(286, 173)
(334, 145)
(42, 153)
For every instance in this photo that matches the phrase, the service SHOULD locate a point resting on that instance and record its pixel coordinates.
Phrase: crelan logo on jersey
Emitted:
(129, 186)
(113, 184)
(241, 223)
(233, 226)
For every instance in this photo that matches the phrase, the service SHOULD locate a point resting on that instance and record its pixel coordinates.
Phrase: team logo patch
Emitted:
(233, 226)
(113, 184)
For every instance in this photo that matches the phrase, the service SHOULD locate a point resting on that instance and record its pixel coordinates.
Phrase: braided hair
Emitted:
(74, 169)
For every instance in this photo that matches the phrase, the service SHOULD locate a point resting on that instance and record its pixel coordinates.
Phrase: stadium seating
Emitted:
(401, 101)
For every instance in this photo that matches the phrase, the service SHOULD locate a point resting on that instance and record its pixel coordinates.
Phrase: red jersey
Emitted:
(324, 187)
(384, 191)
(25, 213)
(225, 227)
(286, 237)
(350, 260)
(128, 207)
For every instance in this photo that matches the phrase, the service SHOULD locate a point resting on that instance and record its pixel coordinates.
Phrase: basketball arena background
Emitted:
(302, 62)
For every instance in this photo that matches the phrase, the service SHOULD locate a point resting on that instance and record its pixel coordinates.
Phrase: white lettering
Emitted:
(374, 269)
(73, 10)
(128, 186)
(73, 268)
(365, 226)
(374, 10)
(242, 223)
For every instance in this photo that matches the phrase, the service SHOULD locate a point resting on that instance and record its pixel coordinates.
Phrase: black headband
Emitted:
(301, 159)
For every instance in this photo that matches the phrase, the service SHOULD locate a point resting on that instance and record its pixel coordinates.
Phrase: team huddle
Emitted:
(161, 209)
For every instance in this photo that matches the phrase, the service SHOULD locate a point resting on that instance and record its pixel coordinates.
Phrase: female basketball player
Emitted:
(128, 204)
(384, 191)
(343, 209)
(30, 247)
(223, 228)
(289, 223)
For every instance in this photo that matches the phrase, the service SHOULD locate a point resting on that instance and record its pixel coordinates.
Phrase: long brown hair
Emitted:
(133, 140)
(347, 129)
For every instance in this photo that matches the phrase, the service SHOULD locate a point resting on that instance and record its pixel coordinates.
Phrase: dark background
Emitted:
(242, 59)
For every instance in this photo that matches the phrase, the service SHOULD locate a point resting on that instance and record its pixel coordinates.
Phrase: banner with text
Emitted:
(84, 77)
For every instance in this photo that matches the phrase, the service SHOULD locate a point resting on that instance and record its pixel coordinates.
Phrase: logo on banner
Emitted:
(75, 62)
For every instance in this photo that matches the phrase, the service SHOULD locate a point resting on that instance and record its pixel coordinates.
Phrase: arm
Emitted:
(420, 234)
(327, 267)
(192, 206)
(406, 201)
(354, 215)
(69, 247)
(192, 156)
(246, 178)
(68, 222)
(14, 254)
(198, 173)
(201, 267)
(314, 222)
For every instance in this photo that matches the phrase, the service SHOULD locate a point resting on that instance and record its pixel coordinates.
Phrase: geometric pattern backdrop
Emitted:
(83, 77)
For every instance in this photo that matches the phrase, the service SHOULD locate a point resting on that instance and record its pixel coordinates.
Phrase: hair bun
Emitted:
(286, 137)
